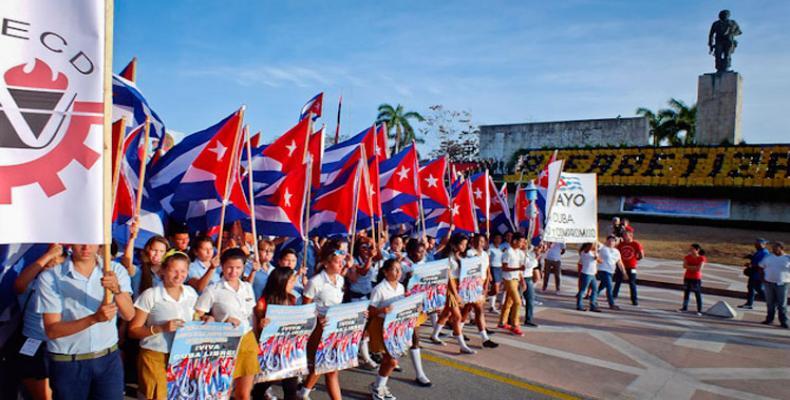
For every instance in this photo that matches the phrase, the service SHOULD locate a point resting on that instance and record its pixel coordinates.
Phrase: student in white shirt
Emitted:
(204, 271)
(361, 276)
(325, 289)
(416, 254)
(232, 300)
(588, 257)
(160, 311)
(512, 267)
(383, 295)
(478, 249)
(610, 261)
(495, 254)
(454, 250)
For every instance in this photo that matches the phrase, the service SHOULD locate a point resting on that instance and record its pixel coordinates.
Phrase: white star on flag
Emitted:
(478, 193)
(431, 181)
(219, 150)
(454, 210)
(287, 196)
(403, 174)
(291, 147)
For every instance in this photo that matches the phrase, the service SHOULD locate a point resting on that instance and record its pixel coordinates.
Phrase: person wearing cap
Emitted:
(776, 270)
(81, 326)
(754, 286)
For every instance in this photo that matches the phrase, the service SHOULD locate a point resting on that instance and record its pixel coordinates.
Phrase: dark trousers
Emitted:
(290, 387)
(97, 379)
(529, 296)
(776, 298)
(549, 267)
(692, 285)
(618, 280)
(754, 288)
(605, 279)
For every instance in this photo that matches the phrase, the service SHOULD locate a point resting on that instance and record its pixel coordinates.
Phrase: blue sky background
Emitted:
(519, 61)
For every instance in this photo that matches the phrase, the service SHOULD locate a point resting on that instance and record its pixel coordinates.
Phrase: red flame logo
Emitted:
(40, 77)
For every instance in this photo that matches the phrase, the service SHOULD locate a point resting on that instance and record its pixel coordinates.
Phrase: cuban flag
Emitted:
(338, 155)
(526, 221)
(279, 209)
(435, 199)
(316, 150)
(400, 190)
(382, 150)
(547, 183)
(314, 106)
(286, 153)
(333, 206)
(13, 259)
(190, 180)
(127, 167)
(481, 195)
(500, 213)
(462, 209)
(128, 101)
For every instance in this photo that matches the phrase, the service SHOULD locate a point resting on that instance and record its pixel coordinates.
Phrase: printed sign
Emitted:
(282, 351)
(399, 324)
(339, 346)
(431, 279)
(676, 207)
(202, 361)
(471, 279)
(574, 216)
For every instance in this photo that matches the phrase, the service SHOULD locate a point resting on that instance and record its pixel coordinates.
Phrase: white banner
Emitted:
(574, 215)
(51, 116)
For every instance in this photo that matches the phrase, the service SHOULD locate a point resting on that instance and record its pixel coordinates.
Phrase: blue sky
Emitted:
(519, 61)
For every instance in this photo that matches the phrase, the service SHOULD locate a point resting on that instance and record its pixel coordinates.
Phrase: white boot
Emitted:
(416, 360)
(462, 345)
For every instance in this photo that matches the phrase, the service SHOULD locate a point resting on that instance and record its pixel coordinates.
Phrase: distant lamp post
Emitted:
(531, 191)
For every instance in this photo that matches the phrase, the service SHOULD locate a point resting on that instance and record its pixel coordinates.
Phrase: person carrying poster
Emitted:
(341, 337)
(202, 361)
(474, 278)
(232, 300)
(160, 311)
(416, 251)
(284, 329)
(453, 253)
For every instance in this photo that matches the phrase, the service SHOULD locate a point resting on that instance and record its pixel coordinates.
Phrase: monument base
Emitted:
(719, 104)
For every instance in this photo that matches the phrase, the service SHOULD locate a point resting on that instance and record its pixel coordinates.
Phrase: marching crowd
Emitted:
(72, 345)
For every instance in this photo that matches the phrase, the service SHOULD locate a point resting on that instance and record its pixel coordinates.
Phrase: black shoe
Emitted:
(745, 306)
(490, 332)
(489, 344)
(531, 324)
(466, 338)
(595, 309)
(784, 325)
(423, 384)
(614, 307)
(398, 368)
(767, 322)
(581, 309)
(635, 303)
(443, 335)
(376, 357)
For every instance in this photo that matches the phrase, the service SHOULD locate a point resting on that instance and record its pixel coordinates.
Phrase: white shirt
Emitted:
(384, 294)
(161, 307)
(455, 267)
(776, 268)
(223, 302)
(555, 251)
(513, 259)
(485, 260)
(589, 264)
(495, 257)
(530, 261)
(323, 292)
(610, 256)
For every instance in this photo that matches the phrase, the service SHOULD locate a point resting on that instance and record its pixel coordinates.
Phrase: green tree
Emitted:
(674, 125)
(397, 118)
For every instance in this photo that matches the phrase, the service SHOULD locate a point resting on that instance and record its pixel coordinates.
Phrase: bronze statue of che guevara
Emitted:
(721, 40)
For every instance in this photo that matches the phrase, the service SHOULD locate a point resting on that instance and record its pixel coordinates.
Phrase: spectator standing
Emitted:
(631, 252)
(611, 261)
(754, 286)
(776, 268)
(692, 279)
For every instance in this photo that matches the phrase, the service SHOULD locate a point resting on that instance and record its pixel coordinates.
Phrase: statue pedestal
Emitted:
(719, 104)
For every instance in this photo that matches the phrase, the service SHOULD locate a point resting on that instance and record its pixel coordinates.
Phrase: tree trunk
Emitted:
(397, 138)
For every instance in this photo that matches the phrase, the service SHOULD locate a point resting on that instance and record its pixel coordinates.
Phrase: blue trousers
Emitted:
(97, 379)
(754, 288)
(529, 296)
(692, 285)
(618, 279)
(776, 298)
(586, 281)
(606, 283)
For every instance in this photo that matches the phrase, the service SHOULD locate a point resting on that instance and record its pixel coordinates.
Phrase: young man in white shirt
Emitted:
(495, 254)
(776, 270)
(512, 272)
(610, 262)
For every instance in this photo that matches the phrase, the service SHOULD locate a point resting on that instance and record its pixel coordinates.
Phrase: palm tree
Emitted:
(396, 118)
(656, 122)
(679, 118)
(668, 123)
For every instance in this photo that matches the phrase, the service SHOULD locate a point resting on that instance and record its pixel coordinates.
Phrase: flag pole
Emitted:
(488, 207)
(143, 164)
(337, 126)
(355, 207)
(116, 172)
(306, 213)
(252, 193)
(366, 175)
(450, 196)
(227, 181)
(107, 184)
(419, 193)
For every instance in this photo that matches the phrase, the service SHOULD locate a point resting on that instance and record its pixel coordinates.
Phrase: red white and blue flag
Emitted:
(286, 153)
(547, 182)
(481, 195)
(462, 209)
(435, 199)
(128, 101)
(316, 150)
(500, 213)
(313, 106)
(400, 190)
(332, 208)
(128, 166)
(279, 209)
